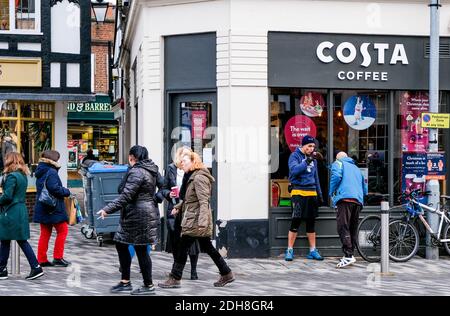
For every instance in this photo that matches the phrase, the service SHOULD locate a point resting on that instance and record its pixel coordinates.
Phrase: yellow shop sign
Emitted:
(435, 120)
(20, 72)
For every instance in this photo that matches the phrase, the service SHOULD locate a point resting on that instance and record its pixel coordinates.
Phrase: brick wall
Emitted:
(101, 34)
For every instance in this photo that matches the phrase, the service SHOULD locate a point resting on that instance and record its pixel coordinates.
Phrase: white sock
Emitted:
(312, 249)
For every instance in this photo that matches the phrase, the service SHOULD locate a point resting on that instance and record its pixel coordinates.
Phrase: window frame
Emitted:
(12, 20)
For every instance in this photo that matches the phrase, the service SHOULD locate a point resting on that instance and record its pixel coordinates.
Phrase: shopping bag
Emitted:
(79, 215)
(71, 210)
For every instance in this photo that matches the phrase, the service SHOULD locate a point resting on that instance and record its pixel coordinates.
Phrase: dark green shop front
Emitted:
(91, 125)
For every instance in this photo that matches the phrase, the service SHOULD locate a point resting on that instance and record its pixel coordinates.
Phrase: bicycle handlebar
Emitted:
(413, 194)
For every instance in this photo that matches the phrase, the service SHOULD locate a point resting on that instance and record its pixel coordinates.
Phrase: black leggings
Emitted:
(206, 246)
(310, 225)
(145, 262)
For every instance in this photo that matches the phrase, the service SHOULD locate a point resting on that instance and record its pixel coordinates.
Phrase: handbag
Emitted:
(45, 197)
(71, 210)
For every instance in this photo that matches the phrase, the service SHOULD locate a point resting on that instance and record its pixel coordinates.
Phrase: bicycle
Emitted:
(369, 236)
(403, 233)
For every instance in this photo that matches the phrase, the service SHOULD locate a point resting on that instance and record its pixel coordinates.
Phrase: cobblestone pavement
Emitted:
(95, 269)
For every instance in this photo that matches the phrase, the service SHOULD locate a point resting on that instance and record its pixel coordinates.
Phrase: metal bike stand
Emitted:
(15, 258)
(385, 239)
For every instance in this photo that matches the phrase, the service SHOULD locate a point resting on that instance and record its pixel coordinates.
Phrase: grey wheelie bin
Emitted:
(103, 182)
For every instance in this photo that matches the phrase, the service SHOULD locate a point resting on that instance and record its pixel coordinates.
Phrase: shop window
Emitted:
(103, 139)
(19, 14)
(26, 128)
(37, 111)
(411, 140)
(360, 128)
(293, 114)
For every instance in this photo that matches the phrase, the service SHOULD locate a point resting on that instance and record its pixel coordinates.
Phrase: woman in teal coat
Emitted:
(14, 215)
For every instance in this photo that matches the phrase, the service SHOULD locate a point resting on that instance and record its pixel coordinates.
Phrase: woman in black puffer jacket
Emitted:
(139, 219)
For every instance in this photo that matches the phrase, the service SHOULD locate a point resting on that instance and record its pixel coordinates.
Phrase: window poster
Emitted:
(414, 136)
(414, 170)
(312, 104)
(359, 112)
(198, 123)
(296, 128)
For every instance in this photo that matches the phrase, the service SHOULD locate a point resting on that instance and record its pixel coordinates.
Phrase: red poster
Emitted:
(198, 123)
(414, 136)
(296, 128)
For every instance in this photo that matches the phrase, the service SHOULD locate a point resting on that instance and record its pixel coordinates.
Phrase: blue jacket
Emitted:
(42, 213)
(347, 181)
(303, 176)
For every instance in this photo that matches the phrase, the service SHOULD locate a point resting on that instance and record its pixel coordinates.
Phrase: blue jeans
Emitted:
(26, 248)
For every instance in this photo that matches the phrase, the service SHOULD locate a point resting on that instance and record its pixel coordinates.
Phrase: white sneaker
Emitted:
(345, 261)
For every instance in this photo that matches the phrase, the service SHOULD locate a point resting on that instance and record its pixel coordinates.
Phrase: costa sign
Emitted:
(346, 52)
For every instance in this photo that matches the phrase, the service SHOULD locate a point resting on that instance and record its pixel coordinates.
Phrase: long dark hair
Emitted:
(139, 152)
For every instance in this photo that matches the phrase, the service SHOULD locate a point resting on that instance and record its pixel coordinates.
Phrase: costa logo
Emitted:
(346, 53)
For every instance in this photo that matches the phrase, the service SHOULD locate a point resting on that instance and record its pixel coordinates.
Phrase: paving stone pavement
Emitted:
(95, 269)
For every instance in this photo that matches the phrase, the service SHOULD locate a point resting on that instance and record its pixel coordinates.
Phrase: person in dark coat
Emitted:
(174, 178)
(89, 156)
(51, 217)
(139, 219)
(14, 215)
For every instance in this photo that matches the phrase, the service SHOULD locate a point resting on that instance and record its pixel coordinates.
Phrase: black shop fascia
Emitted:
(351, 61)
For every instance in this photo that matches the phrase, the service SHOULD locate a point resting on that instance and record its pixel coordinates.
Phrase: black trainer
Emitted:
(35, 273)
(4, 274)
(61, 263)
(46, 264)
(144, 290)
(121, 287)
(194, 275)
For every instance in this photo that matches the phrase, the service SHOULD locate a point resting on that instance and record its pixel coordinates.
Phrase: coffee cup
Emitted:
(175, 191)
(409, 180)
(418, 183)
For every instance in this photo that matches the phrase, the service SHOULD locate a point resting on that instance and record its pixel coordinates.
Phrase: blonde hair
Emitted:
(196, 161)
(14, 162)
(181, 152)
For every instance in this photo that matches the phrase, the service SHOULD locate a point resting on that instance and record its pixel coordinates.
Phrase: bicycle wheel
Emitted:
(369, 238)
(446, 235)
(403, 240)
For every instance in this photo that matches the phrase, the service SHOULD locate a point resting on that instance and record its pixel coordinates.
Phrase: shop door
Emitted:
(191, 118)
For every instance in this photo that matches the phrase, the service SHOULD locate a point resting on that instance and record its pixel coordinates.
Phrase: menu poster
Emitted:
(296, 128)
(414, 136)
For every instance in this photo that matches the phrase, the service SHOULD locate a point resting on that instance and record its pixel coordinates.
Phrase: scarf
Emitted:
(184, 184)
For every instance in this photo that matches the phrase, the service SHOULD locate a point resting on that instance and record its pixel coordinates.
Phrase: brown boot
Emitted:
(224, 279)
(170, 283)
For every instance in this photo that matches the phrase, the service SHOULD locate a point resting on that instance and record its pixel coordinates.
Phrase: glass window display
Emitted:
(26, 127)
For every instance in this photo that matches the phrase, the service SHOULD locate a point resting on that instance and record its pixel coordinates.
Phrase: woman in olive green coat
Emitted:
(14, 215)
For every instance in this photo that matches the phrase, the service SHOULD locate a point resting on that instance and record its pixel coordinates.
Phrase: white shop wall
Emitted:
(246, 196)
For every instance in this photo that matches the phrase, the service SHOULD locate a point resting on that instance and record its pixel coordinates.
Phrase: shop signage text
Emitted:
(347, 52)
(89, 107)
(20, 72)
(435, 120)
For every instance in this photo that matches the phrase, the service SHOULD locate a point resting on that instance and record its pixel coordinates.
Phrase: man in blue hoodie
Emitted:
(347, 191)
(305, 196)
